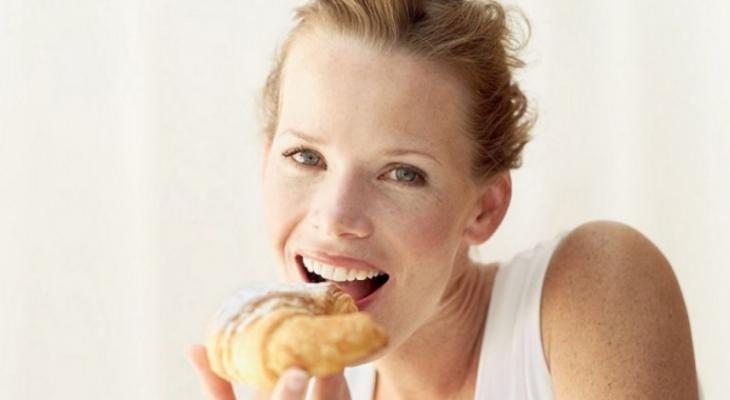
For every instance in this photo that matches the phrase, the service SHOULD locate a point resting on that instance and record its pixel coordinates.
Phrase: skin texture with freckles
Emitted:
(369, 161)
(368, 105)
(361, 114)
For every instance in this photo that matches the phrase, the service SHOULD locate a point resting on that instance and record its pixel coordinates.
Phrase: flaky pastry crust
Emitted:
(259, 333)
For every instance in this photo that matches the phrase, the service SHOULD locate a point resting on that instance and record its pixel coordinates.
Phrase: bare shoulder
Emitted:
(614, 324)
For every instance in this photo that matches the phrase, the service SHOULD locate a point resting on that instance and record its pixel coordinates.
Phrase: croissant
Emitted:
(259, 333)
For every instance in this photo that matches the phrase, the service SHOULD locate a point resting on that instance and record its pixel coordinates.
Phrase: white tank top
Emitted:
(512, 363)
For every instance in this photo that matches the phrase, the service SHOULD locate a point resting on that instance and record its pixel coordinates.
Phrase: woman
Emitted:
(392, 126)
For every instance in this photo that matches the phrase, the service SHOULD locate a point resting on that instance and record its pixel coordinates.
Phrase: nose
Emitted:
(339, 208)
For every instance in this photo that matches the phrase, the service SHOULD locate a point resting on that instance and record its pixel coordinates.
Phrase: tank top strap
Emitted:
(512, 365)
(361, 381)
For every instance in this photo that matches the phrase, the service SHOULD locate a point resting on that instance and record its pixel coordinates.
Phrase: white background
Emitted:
(129, 171)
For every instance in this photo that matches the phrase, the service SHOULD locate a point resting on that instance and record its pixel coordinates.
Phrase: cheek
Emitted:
(426, 228)
(426, 242)
(282, 207)
(427, 237)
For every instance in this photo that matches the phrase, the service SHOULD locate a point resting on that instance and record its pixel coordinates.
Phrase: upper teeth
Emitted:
(338, 274)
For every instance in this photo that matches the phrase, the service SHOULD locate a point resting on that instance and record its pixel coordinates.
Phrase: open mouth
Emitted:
(359, 284)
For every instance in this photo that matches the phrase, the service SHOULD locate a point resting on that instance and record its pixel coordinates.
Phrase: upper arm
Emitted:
(614, 324)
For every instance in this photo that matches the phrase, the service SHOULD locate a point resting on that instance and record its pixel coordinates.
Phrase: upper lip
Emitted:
(338, 260)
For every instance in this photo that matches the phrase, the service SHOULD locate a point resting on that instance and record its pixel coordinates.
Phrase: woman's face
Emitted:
(368, 171)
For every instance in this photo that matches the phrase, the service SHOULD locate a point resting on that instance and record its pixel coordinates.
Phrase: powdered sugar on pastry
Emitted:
(260, 332)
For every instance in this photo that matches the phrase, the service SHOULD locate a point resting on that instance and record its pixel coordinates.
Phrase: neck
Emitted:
(440, 360)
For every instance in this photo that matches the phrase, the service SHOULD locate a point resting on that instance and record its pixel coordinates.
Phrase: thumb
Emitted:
(331, 387)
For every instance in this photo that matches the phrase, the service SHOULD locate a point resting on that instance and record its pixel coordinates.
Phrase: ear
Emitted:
(490, 209)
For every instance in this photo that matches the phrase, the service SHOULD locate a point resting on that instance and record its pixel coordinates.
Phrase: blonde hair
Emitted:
(473, 38)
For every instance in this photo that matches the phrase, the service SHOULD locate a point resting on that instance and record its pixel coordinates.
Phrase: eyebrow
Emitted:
(400, 152)
(393, 152)
(303, 136)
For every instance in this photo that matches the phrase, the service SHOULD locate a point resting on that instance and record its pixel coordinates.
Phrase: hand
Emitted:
(292, 384)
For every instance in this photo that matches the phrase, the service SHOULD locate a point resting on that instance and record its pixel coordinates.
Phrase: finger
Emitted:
(215, 387)
(331, 387)
(292, 385)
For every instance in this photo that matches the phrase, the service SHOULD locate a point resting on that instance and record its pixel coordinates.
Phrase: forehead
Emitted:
(333, 83)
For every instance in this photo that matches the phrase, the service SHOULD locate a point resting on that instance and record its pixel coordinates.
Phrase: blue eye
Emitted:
(402, 174)
(407, 175)
(304, 156)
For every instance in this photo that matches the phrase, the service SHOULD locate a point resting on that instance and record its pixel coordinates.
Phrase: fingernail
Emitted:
(297, 381)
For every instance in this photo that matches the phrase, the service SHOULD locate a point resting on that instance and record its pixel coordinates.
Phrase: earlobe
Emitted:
(491, 207)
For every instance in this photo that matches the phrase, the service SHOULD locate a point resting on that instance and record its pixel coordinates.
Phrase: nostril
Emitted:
(347, 235)
(350, 228)
(341, 222)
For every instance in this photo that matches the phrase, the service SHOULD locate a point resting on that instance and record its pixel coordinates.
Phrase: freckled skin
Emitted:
(360, 103)
(614, 325)
(613, 322)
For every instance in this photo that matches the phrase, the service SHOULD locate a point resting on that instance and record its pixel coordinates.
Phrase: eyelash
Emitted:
(421, 178)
